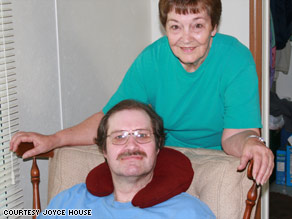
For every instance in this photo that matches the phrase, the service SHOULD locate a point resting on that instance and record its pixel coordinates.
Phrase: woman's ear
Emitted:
(214, 31)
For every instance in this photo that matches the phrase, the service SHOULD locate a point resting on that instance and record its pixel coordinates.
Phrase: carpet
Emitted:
(280, 206)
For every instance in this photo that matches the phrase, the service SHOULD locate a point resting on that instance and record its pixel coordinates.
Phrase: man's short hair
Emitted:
(156, 122)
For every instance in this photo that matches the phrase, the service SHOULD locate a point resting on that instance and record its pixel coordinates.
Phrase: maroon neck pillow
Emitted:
(173, 174)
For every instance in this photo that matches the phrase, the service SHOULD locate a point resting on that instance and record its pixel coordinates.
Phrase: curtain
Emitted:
(11, 196)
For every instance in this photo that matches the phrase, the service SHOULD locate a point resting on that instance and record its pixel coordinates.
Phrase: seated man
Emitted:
(130, 136)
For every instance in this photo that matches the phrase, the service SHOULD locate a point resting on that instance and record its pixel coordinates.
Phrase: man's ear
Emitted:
(157, 152)
(104, 153)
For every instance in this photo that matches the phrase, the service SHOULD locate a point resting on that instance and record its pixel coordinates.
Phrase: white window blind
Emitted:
(11, 196)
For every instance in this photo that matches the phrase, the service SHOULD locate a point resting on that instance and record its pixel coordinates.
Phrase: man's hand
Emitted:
(42, 143)
(263, 159)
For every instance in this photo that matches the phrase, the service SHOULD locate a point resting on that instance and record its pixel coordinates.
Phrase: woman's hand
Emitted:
(237, 142)
(263, 159)
(42, 143)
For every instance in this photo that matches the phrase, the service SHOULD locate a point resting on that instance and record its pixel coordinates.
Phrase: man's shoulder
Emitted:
(185, 198)
(75, 197)
(78, 190)
(188, 205)
(81, 187)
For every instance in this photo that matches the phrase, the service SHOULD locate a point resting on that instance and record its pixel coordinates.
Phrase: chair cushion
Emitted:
(70, 166)
(173, 175)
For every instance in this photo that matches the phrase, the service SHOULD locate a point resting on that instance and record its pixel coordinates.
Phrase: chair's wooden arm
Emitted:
(25, 146)
(252, 193)
(34, 173)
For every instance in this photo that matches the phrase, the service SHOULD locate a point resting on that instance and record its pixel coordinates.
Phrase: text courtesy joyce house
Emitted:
(47, 212)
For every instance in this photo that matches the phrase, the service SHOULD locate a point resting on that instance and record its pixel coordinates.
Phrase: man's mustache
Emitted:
(131, 153)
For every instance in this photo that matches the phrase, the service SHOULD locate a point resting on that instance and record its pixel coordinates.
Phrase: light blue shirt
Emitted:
(77, 201)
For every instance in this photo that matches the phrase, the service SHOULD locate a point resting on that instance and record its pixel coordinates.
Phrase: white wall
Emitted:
(98, 42)
(36, 58)
(71, 57)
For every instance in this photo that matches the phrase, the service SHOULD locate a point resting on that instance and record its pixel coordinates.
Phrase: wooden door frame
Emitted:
(259, 36)
(255, 36)
(255, 46)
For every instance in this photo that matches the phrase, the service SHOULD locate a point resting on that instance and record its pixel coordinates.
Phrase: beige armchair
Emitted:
(216, 180)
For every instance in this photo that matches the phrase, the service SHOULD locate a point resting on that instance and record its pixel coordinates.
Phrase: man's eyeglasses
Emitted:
(141, 136)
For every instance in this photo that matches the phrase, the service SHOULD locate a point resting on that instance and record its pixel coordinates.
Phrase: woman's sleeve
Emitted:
(241, 100)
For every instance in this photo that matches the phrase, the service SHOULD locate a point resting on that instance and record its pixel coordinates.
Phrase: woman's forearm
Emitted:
(233, 140)
(82, 134)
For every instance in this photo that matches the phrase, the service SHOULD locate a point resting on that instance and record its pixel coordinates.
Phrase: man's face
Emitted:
(189, 37)
(131, 159)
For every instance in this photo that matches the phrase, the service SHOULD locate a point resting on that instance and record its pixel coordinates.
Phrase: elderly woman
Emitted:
(203, 84)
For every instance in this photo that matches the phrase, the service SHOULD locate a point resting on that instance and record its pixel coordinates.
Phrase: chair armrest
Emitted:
(218, 183)
(25, 146)
(34, 173)
(252, 194)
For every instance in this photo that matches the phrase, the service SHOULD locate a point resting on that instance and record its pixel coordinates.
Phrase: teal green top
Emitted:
(196, 107)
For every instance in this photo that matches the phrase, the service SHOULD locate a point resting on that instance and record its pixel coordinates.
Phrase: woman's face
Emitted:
(190, 37)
